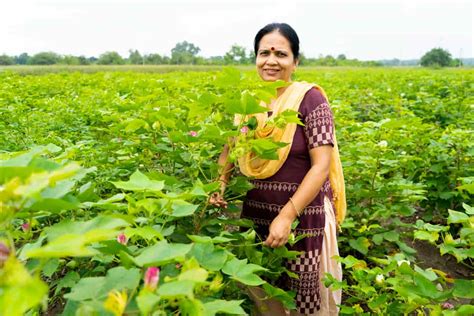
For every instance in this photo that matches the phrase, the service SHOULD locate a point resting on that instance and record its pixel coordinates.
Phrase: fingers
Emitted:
(216, 199)
(275, 242)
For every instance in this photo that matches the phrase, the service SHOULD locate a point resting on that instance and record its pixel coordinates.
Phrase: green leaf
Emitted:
(86, 288)
(147, 301)
(283, 296)
(68, 281)
(221, 306)
(19, 291)
(208, 256)
(196, 275)
(50, 267)
(361, 244)
(66, 227)
(176, 289)
(162, 253)
(243, 272)
(140, 182)
(247, 105)
(469, 209)
(432, 237)
(119, 278)
(182, 208)
(391, 236)
(135, 125)
(457, 217)
(266, 149)
(464, 288)
(145, 232)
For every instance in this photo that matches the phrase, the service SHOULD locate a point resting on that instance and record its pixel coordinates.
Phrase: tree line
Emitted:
(185, 53)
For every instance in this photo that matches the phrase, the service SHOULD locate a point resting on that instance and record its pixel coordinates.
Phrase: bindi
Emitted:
(272, 48)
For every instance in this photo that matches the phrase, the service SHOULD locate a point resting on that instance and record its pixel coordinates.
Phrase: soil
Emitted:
(429, 257)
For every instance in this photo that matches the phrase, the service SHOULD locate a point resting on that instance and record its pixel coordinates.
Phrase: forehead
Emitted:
(276, 40)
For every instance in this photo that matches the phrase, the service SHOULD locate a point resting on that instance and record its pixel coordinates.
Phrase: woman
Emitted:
(297, 185)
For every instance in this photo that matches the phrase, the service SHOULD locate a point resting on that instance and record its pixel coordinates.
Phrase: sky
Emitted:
(366, 30)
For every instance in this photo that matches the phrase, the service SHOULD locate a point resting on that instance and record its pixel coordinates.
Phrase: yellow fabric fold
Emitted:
(252, 166)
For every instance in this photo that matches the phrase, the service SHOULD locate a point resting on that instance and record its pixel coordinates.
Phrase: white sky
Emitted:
(378, 29)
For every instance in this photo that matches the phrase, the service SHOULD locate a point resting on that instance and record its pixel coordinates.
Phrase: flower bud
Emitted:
(244, 129)
(25, 226)
(192, 133)
(4, 253)
(383, 143)
(447, 305)
(379, 279)
(152, 275)
(122, 239)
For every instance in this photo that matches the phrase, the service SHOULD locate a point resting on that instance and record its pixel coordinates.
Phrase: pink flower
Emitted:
(122, 239)
(193, 133)
(152, 275)
(447, 305)
(244, 129)
(4, 253)
(25, 226)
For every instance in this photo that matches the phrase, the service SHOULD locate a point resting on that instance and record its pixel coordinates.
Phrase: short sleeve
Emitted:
(318, 119)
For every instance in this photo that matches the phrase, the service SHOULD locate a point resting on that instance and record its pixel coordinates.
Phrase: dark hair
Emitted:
(284, 29)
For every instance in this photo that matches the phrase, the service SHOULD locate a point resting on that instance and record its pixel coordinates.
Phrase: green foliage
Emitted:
(88, 158)
(436, 57)
(110, 58)
(44, 58)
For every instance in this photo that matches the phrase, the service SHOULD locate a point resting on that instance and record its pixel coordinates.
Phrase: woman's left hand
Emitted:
(279, 231)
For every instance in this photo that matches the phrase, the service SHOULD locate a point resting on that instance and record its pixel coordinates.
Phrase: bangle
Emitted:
(294, 206)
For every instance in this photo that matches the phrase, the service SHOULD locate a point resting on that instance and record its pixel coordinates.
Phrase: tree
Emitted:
(44, 58)
(341, 57)
(436, 57)
(83, 60)
(6, 60)
(135, 58)
(70, 60)
(153, 59)
(236, 55)
(110, 58)
(22, 59)
(184, 53)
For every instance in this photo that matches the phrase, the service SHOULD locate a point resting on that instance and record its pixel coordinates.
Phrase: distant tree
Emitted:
(456, 62)
(341, 57)
(216, 60)
(83, 60)
(70, 60)
(236, 55)
(44, 58)
(436, 57)
(92, 60)
(22, 59)
(110, 58)
(153, 59)
(6, 60)
(135, 58)
(302, 60)
(329, 61)
(184, 53)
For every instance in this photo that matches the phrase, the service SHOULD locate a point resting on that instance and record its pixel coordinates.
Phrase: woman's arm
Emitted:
(309, 188)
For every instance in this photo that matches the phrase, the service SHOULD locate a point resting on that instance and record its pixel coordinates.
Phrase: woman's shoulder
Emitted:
(312, 99)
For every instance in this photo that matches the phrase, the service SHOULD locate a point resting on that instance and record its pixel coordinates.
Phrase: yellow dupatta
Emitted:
(252, 166)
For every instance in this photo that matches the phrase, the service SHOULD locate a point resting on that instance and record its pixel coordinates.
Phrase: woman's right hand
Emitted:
(217, 199)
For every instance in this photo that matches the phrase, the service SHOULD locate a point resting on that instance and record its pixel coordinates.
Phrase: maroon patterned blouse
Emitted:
(267, 198)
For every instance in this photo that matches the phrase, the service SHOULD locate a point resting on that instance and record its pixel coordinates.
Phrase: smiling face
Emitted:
(275, 60)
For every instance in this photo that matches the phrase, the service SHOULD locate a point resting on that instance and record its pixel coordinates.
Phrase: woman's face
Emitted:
(275, 60)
